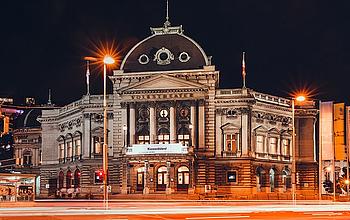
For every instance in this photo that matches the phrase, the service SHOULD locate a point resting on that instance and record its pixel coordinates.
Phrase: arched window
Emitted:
(61, 146)
(162, 179)
(183, 178)
(69, 179)
(77, 175)
(60, 179)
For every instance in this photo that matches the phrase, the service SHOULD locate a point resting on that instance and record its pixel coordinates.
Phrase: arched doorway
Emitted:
(60, 179)
(260, 178)
(77, 178)
(69, 179)
(162, 179)
(183, 178)
(272, 175)
(140, 181)
(286, 179)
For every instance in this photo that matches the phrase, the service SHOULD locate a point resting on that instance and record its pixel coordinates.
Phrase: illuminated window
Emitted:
(259, 144)
(231, 142)
(98, 144)
(77, 147)
(163, 136)
(273, 145)
(286, 147)
(184, 136)
(61, 150)
(69, 149)
(232, 176)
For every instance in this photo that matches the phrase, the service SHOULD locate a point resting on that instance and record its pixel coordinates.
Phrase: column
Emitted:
(194, 126)
(245, 131)
(168, 188)
(172, 123)
(201, 124)
(132, 124)
(152, 123)
(145, 176)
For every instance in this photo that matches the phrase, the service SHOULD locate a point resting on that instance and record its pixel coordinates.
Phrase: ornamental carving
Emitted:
(70, 124)
(271, 118)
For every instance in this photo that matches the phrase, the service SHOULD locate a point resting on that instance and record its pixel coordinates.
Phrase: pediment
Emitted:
(161, 83)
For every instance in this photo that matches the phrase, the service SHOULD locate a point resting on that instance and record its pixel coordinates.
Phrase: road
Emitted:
(189, 210)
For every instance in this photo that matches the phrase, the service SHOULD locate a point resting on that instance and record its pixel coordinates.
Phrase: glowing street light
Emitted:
(298, 98)
(106, 60)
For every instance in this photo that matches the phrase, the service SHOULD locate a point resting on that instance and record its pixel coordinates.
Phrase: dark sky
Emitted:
(289, 44)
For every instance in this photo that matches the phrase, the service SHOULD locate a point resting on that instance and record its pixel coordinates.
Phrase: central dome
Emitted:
(166, 49)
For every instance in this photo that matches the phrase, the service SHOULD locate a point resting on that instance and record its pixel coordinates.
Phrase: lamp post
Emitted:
(125, 128)
(299, 98)
(106, 60)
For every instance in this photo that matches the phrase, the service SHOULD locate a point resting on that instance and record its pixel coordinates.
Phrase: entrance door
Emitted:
(183, 178)
(162, 179)
(140, 180)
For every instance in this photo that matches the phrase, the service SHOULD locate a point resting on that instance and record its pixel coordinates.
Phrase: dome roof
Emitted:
(166, 49)
(28, 119)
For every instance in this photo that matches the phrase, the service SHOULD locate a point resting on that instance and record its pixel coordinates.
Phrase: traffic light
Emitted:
(99, 176)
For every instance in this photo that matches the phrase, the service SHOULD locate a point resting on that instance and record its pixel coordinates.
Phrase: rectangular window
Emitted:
(61, 154)
(231, 143)
(232, 177)
(273, 145)
(98, 145)
(77, 147)
(69, 149)
(259, 144)
(286, 147)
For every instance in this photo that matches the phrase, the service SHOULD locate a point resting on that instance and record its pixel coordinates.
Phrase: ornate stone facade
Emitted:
(172, 129)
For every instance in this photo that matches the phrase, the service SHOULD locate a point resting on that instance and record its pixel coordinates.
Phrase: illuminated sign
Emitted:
(157, 149)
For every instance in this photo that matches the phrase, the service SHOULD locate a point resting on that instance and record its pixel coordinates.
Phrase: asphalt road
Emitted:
(188, 210)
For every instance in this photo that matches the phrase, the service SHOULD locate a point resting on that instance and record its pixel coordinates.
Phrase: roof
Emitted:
(28, 119)
(166, 49)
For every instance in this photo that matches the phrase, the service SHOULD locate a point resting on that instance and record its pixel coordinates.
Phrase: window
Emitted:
(61, 150)
(260, 144)
(163, 136)
(143, 139)
(98, 144)
(162, 178)
(27, 158)
(77, 147)
(69, 149)
(273, 145)
(232, 177)
(77, 175)
(69, 180)
(60, 180)
(183, 176)
(184, 136)
(231, 142)
(286, 147)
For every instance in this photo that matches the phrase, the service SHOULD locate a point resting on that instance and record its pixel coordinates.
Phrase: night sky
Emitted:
(289, 45)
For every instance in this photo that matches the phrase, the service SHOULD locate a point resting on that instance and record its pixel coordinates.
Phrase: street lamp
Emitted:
(106, 60)
(124, 135)
(299, 98)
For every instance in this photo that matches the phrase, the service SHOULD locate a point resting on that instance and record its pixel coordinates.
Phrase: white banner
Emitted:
(156, 149)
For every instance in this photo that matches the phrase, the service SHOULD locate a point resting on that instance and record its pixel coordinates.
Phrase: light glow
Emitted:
(300, 98)
(108, 59)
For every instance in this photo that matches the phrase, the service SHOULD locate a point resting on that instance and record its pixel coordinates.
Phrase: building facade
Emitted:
(173, 130)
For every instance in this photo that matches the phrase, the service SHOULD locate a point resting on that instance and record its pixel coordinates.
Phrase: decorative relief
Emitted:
(272, 118)
(70, 124)
(162, 96)
(163, 56)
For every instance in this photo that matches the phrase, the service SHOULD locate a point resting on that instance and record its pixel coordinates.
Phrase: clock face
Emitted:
(184, 112)
(163, 113)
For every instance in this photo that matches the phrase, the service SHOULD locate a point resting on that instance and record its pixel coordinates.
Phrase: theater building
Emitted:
(173, 130)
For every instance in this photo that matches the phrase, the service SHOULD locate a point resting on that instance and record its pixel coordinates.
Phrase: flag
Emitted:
(243, 69)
